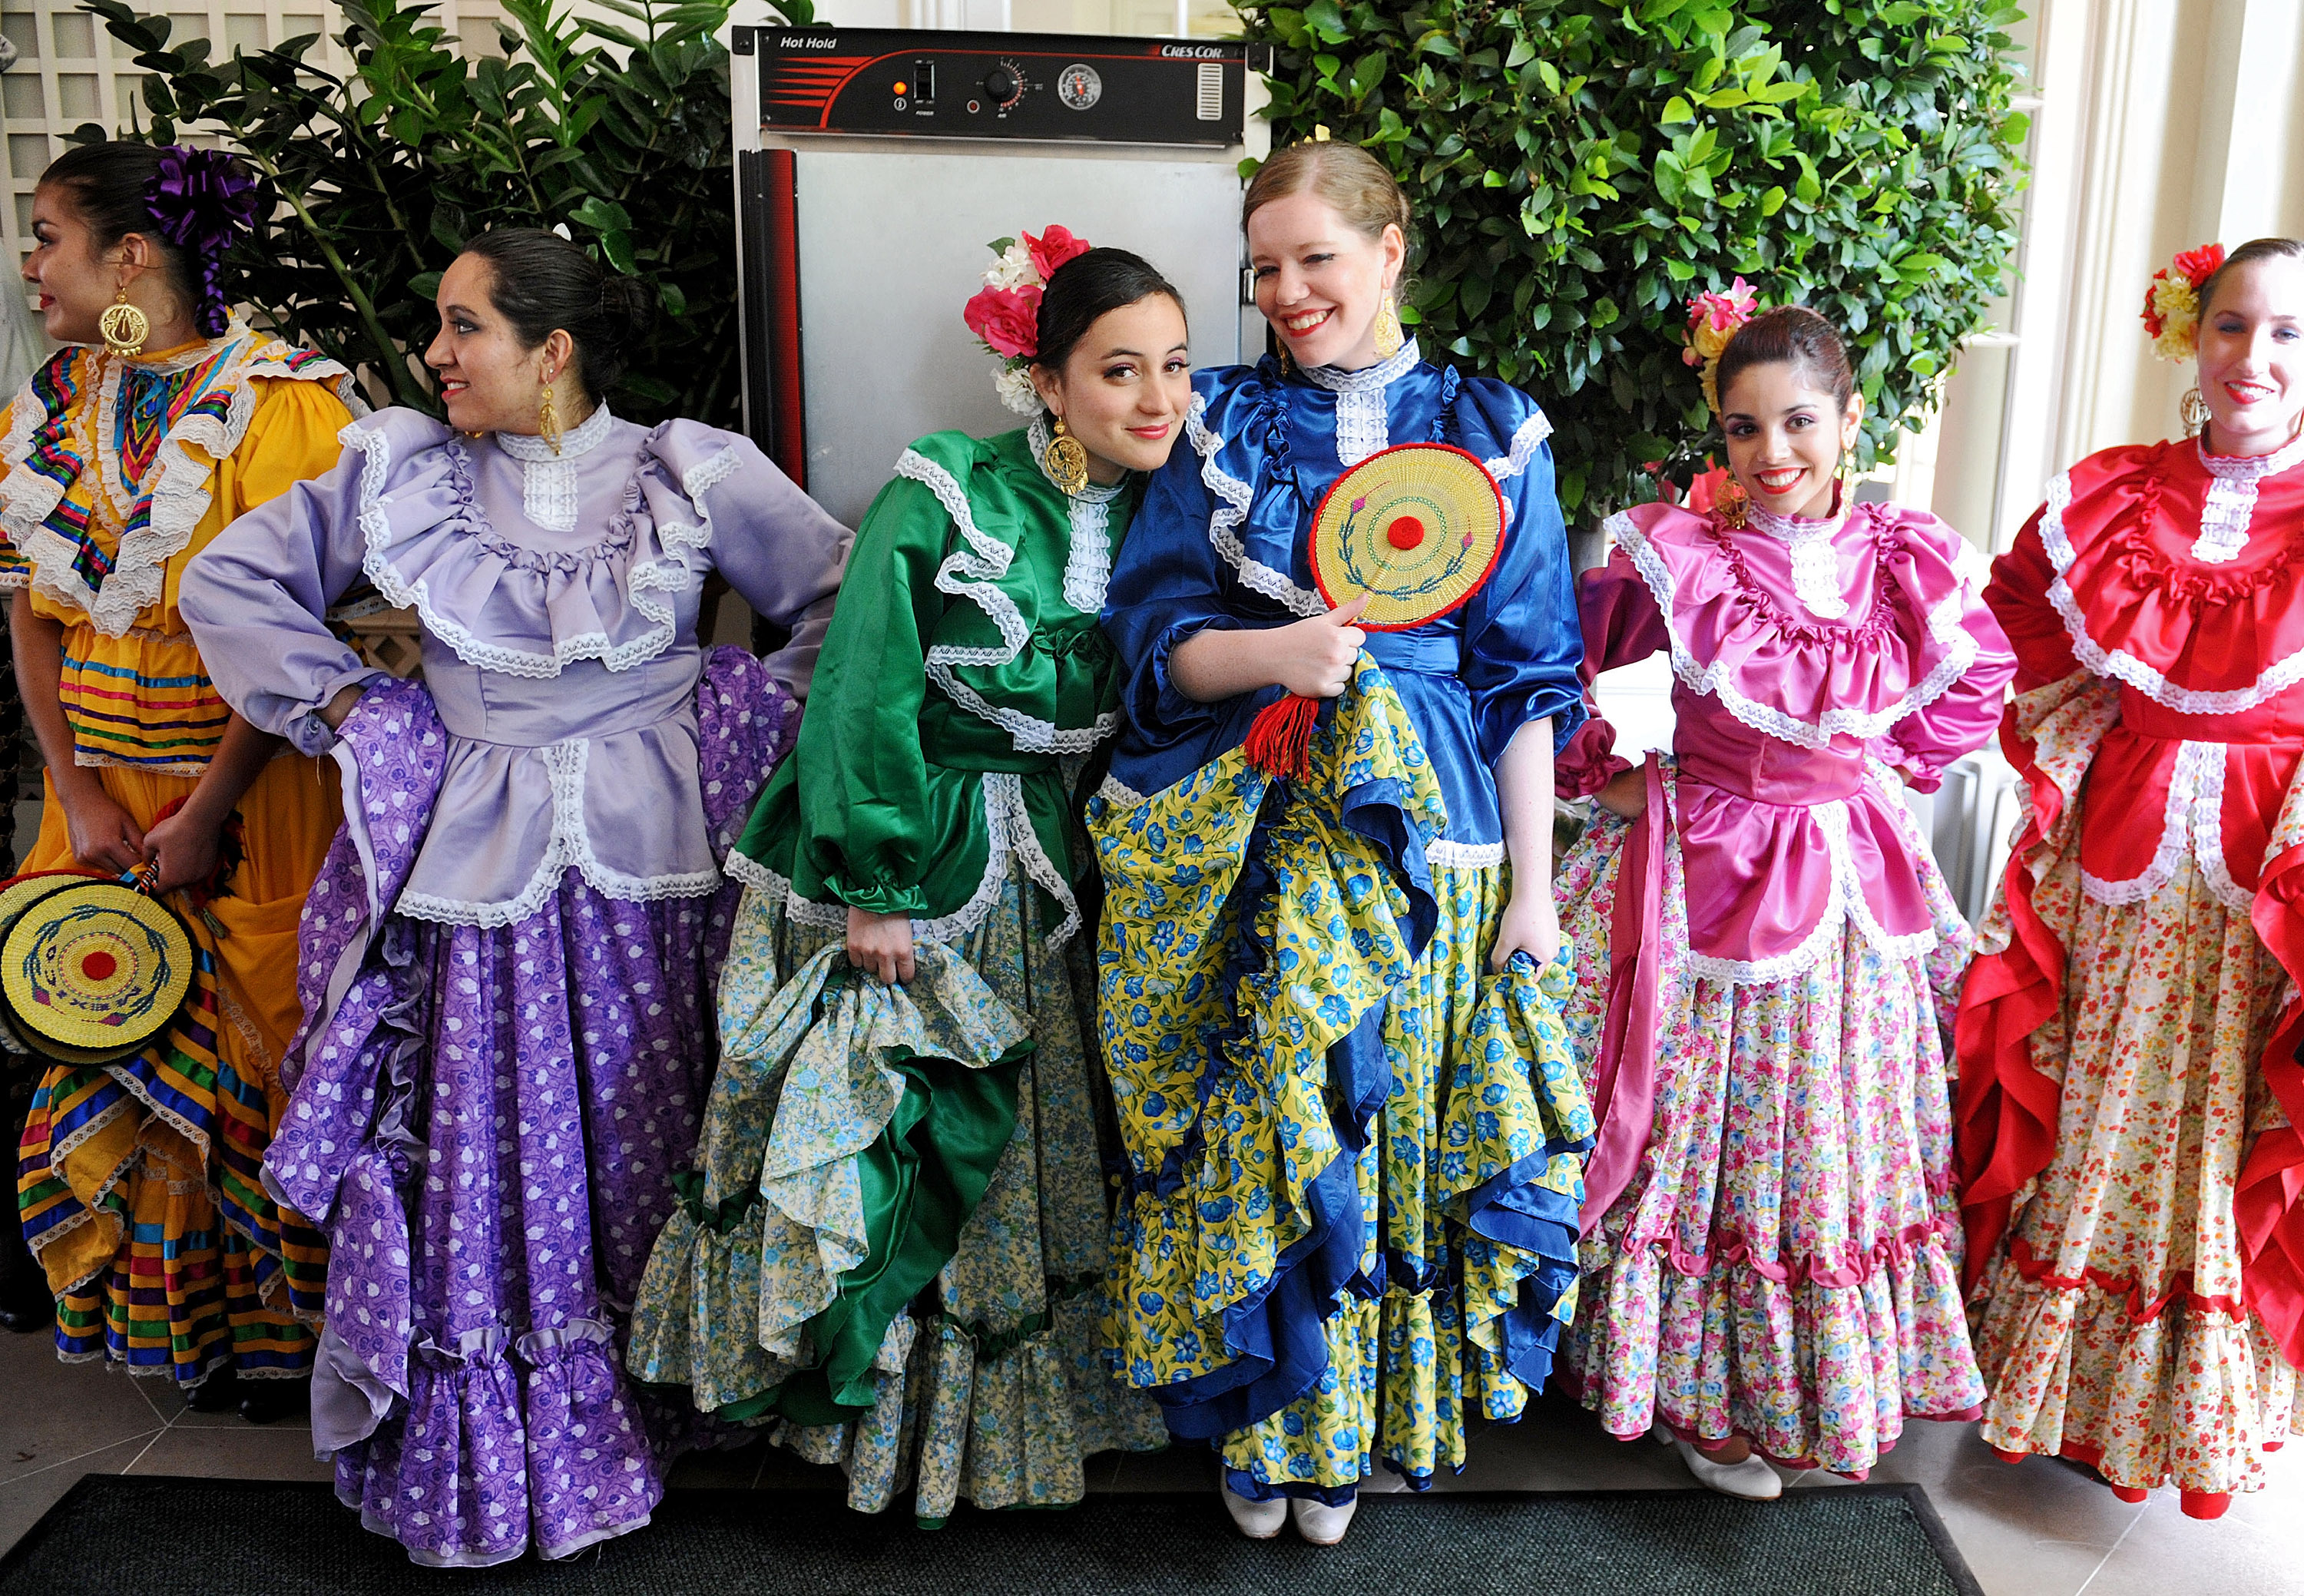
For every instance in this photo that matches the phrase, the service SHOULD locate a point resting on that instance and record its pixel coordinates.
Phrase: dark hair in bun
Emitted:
(1088, 286)
(1789, 336)
(543, 283)
(108, 183)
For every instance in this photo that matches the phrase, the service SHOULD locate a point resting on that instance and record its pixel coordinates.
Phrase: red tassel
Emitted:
(1280, 738)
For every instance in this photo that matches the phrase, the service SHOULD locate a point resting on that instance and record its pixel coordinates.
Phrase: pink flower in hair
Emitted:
(1008, 320)
(1052, 248)
(2199, 264)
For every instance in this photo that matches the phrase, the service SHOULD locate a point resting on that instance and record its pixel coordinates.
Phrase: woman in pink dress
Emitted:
(1765, 950)
(2130, 1094)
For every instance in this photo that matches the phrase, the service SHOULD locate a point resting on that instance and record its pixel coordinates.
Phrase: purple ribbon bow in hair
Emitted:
(203, 199)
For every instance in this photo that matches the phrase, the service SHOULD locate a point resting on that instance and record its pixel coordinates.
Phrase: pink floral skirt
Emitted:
(1784, 1265)
(2111, 1326)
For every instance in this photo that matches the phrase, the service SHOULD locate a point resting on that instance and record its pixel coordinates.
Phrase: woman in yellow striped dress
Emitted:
(139, 1181)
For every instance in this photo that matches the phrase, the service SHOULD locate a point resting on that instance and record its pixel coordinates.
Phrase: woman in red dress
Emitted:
(2130, 1094)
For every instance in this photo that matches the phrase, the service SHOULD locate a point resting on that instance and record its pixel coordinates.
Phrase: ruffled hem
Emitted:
(1729, 1346)
(2174, 1389)
(501, 1442)
(1000, 1420)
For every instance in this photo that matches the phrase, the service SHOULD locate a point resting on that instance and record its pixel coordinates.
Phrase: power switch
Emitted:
(923, 81)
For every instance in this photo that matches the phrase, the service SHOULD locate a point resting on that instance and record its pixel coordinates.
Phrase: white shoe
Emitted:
(1319, 1523)
(1752, 1480)
(1259, 1521)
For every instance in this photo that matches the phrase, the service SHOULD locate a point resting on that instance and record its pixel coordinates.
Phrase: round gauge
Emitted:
(1078, 87)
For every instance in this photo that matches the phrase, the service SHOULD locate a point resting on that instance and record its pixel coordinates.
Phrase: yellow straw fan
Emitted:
(1416, 528)
(94, 970)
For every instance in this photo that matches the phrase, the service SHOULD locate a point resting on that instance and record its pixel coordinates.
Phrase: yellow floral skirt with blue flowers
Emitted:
(1354, 1152)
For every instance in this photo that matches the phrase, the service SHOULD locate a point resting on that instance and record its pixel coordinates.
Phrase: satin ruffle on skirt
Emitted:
(1783, 1264)
(1354, 1152)
(490, 1118)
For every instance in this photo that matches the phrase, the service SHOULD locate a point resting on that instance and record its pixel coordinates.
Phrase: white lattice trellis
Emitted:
(69, 70)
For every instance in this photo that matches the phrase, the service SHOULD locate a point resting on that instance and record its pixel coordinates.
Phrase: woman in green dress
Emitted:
(898, 1218)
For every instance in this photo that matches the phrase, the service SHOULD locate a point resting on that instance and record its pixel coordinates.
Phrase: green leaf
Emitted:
(1676, 110)
(1326, 19)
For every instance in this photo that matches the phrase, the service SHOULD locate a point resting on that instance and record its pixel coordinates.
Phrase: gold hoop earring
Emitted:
(2194, 409)
(123, 325)
(547, 417)
(1066, 459)
(1389, 333)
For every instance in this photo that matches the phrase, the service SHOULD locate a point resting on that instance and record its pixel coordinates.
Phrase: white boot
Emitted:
(1752, 1480)
(1319, 1523)
(1259, 1521)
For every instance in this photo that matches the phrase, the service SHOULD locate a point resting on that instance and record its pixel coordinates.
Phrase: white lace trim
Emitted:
(973, 572)
(181, 487)
(1716, 680)
(1528, 438)
(2231, 504)
(1088, 554)
(571, 845)
(1845, 902)
(548, 477)
(671, 572)
(1012, 842)
(1815, 561)
(1118, 792)
(2118, 664)
(1232, 497)
(1476, 856)
(2192, 821)
(1363, 412)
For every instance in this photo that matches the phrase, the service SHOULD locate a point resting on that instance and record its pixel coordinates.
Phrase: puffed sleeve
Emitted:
(864, 809)
(2018, 598)
(1622, 625)
(779, 548)
(256, 599)
(15, 570)
(1963, 718)
(1168, 584)
(1522, 643)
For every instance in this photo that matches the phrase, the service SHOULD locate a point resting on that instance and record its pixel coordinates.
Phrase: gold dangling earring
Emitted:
(2194, 411)
(1066, 458)
(547, 417)
(1735, 509)
(123, 325)
(1389, 333)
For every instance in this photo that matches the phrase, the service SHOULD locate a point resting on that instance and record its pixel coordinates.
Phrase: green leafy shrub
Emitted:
(1580, 168)
(374, 183)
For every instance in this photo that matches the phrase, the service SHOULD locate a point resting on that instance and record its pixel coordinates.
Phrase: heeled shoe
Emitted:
(268, 1401)
(1259, 1521)
(219, 1393)
(1319, 1523)
(1751, 1479)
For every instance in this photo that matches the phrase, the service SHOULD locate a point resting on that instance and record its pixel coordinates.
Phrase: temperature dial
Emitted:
(1078, 86)
(1003, 86)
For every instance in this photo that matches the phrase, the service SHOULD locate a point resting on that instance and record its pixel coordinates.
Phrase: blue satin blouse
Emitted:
(1221, 540)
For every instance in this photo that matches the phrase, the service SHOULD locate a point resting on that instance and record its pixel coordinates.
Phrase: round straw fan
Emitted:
(94, 970)
(1417, 527)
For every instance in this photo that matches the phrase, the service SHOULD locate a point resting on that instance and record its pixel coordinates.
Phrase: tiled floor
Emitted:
(2041, 1529)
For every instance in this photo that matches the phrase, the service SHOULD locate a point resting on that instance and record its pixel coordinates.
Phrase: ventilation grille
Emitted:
(1211, 91)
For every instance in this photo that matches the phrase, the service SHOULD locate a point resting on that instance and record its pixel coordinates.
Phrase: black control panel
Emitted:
(1038, 86)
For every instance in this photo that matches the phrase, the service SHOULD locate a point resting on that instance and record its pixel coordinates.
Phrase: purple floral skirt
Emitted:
(490, 1117)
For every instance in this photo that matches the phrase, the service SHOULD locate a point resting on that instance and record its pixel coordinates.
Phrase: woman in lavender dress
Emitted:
(508, 965)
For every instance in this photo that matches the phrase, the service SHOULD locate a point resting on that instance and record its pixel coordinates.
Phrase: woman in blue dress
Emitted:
(1329, 1003)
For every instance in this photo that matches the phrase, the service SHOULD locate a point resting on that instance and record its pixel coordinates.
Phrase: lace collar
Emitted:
(548, 477)
(1363, 414)
(2231, 504)
(1088, 554)
(1816, 563)
(168, 362)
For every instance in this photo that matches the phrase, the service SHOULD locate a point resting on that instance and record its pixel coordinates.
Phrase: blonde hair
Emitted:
(1346, 178)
